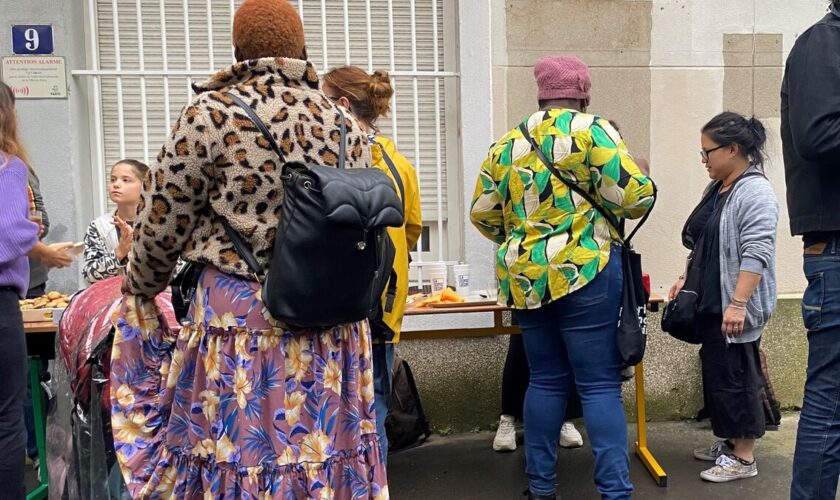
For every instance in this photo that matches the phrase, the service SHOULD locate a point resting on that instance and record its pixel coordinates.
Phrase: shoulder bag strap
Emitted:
(394, 171)
(342, 143)
(618, 226)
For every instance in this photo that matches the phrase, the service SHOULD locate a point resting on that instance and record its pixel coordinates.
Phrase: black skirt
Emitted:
(732, 383)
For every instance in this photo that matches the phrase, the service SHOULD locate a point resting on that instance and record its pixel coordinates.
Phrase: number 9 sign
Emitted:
(28, 39)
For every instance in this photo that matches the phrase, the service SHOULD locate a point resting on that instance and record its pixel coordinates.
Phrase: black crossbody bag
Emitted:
(679, 319)
(631, 335)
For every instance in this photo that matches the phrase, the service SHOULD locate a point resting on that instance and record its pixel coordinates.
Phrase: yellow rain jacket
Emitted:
(403, 237)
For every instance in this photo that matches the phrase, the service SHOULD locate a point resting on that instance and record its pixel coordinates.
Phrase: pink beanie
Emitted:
(562, 77)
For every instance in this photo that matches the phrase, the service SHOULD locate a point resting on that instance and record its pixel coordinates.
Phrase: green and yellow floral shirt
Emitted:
(552, 242)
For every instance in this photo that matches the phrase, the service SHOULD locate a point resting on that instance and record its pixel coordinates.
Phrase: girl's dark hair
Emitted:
(138, 167)
(730, 128)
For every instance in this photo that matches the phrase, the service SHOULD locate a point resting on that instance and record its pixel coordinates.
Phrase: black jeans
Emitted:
(12, 396)
(515, 379)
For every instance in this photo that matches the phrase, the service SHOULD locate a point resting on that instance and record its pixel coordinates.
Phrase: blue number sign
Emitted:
(32, 39)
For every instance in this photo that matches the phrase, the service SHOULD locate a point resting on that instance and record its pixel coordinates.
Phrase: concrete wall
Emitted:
(706, 57)
(661, 69)
(477, 34)
(55, 131)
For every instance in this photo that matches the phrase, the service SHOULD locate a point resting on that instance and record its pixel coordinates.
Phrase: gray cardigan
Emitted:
(748, 243)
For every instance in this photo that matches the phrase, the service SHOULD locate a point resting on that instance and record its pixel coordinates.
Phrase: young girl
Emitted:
(108, 238)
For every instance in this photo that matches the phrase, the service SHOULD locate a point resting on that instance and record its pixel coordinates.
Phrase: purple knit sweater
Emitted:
(17, 233)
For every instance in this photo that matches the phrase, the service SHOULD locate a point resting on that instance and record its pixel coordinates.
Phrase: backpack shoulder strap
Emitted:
(252, 115)
(242, 248)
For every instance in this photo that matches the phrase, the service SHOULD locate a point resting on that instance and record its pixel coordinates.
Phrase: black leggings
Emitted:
(515, 383)
(12, 396)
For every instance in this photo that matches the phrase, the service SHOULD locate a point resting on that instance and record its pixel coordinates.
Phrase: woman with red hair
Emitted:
(238, 405)
(368, 97)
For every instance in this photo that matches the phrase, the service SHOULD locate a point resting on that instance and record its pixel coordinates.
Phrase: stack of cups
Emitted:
(437, 276)
(462, 279)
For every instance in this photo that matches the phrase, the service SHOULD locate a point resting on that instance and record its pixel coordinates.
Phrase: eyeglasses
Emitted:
(704, 153)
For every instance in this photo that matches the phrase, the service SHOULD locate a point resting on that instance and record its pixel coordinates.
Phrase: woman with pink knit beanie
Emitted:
(559, 266)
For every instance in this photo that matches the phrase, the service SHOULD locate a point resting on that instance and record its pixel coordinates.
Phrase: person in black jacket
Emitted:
(811, 142)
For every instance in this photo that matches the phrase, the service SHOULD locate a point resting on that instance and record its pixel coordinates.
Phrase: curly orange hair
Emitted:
(369, 95)
(268, 28)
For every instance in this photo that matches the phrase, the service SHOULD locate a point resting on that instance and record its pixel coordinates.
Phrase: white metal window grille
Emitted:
(145, 53)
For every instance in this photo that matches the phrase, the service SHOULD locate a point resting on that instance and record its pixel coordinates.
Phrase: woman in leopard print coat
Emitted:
(236, 405)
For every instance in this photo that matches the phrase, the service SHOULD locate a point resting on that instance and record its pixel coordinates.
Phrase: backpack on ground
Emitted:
(332, 257)
(772, 407)
(406, 424)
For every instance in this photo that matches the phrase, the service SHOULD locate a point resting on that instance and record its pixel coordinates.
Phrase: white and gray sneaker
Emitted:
(569, 436)
(505, 439)
(713, 452)
(730, 468)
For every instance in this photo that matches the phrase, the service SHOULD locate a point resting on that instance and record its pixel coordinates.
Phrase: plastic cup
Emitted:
(437, 277)
(462, 279)
(493, 289)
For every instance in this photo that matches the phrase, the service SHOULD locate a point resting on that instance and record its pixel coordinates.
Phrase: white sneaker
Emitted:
(729, 468)
(505, 439)
(570, 437)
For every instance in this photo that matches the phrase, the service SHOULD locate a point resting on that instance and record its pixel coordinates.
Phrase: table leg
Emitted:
(38, 408)
(642, 450)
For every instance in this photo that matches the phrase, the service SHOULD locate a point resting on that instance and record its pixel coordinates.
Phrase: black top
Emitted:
(811, 128)
(38, 272)
(704, 228)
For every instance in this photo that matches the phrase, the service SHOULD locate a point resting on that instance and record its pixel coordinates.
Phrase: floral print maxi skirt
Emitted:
(235, 406)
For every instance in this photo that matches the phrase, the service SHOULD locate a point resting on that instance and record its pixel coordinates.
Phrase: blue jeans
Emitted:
(816, 462)
(572, 342)
(380, 400)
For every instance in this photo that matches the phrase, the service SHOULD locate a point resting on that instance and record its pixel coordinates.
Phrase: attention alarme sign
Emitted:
(35, 77)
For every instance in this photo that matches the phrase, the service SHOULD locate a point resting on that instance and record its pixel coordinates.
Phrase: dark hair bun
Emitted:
(732, 128)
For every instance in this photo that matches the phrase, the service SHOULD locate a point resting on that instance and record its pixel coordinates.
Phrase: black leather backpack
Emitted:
(332, 256)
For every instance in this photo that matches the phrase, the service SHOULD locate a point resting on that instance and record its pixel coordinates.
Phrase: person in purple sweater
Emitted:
(18, 237)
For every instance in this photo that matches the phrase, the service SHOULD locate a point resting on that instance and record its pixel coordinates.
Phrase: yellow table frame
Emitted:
(502, 325)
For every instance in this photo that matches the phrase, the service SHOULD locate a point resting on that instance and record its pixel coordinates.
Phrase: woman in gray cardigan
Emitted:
(732, 238)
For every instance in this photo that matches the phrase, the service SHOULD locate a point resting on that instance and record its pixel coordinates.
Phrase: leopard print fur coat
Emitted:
(216, 163)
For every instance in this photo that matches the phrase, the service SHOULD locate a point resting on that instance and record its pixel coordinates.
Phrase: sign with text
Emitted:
(32, 39)
(35, 77)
